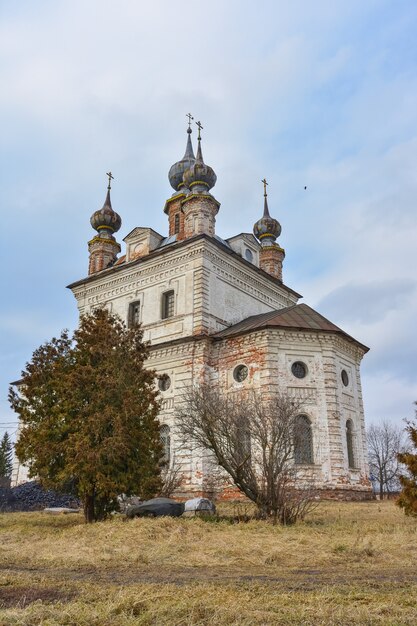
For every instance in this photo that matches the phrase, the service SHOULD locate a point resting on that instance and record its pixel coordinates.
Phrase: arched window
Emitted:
(350, 441)
(166, 444)
(176, 223)
(303, 441)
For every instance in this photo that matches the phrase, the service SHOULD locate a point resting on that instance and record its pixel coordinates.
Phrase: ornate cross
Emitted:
(190, 117)
(200, 128)
(111, 177)
(265, 184)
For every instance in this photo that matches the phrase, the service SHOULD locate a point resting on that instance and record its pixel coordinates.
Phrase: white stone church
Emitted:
(218, 311)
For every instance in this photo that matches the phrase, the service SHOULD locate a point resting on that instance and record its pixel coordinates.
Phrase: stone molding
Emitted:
(196, 347)
(240, 279)
(134, 277)
(306, 394)
(150, 273)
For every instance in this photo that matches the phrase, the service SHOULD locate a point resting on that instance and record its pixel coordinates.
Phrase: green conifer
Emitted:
(408, 496)
(88, 408)
(6, 456)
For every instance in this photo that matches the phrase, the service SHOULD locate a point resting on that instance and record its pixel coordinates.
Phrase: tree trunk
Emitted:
(381, 486)
(89, 508)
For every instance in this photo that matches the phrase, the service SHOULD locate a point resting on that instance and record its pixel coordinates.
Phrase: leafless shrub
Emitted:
(253, 440)
(172, 478)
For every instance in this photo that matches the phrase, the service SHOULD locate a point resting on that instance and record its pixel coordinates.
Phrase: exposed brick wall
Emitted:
(175, 208)
(103, 252)
(200, 212)
(270, 260)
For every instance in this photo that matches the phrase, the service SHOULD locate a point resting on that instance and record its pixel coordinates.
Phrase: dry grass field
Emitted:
(347, 564)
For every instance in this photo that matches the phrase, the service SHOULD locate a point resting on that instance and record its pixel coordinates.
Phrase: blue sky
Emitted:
(322, 94)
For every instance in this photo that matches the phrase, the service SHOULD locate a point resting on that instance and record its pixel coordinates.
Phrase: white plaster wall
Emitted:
(212, 290)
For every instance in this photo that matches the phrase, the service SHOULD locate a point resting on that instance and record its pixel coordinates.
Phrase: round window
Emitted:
(240, 373)
(345, 378)
(164, 382)
(248, 255)
(299, 369)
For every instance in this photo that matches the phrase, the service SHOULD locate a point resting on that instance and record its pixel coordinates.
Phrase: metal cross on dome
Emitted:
(200, 128)
(111, 177)
(190, 118)
(265, 184)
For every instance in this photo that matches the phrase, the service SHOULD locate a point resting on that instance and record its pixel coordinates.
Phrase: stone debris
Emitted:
(58, 510)
(31, 496)
(196, 505)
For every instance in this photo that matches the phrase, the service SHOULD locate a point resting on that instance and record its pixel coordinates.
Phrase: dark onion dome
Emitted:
(267, 229)
(199, 177)
(177, 170)
(106, 219)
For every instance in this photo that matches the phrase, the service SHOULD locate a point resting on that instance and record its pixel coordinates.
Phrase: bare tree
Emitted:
(172, 477)
(254, 441)
(385, 442)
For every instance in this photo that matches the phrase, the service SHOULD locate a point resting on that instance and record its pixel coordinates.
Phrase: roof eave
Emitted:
(268, 326)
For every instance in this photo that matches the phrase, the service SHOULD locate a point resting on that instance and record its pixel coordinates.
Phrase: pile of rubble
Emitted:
(31, 497)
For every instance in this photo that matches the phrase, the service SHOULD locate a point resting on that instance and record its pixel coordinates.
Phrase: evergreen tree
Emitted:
(408, 496)
(6, 456)
(88, 408)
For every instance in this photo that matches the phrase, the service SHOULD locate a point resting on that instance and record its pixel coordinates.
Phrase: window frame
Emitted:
(350, 444)
(177, 223)
(166, 305)
(130, 316)
(241, 368)
(165, 437)
(303, 445)
(296, 364)
(164, 382)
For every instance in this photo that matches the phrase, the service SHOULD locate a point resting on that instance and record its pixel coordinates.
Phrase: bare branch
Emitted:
(253, 439)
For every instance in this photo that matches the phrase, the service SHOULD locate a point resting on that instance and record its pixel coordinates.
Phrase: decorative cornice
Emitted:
(137, 276)
(119, 269)
(250, 284)
(172, 199)
(201, 196)
(191, 345)
(275, 246)
(151, 270)
(320, 338)
(100, 240)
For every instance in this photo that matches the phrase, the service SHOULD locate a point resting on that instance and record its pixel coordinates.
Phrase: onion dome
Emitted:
(267, 229)
(177, 170)
(199, 177)
(106, 221)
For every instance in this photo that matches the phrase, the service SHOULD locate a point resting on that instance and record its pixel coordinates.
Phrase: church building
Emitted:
(218, 311)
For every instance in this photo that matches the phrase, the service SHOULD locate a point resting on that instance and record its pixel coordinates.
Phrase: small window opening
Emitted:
(165, 435)
(134, 314)
(299, 369)
(303, 441)
(350, 437)
(176, 223)
(164, 382)
(240, 373)
(167, 304)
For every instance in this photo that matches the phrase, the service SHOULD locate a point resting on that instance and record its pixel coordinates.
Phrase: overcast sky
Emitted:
(320, 93)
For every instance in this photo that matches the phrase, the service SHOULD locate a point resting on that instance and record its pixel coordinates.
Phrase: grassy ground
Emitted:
(347, 564)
